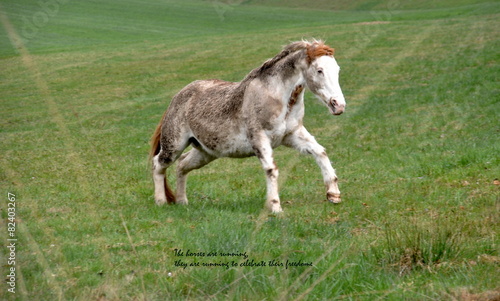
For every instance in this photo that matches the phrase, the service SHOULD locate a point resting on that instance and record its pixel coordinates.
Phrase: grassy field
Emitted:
(83, 85)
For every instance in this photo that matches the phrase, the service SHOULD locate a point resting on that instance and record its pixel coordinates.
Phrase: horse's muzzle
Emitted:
(335, 107)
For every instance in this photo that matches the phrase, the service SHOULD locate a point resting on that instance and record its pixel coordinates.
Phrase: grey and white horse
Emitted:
(249, 118)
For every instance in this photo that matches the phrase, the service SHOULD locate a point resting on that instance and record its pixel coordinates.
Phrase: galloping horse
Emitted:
(249, 118)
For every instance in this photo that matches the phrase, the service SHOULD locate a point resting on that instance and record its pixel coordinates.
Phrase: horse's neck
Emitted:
(290, 84)
(279, 84)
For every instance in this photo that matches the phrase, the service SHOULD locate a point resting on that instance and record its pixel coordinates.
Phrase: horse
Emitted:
(249, 118)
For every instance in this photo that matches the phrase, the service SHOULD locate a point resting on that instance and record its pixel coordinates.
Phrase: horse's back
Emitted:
(203, 95)
(211, 111)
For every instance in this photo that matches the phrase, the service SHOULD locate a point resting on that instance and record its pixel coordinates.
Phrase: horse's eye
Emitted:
(320, 71)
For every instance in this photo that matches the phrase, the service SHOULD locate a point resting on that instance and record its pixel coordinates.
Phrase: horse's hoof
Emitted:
(334, 198)
(275, 206)
(160, 202)
(278, 210)
(182, 202)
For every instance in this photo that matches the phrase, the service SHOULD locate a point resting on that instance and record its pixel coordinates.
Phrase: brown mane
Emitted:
(318, 49)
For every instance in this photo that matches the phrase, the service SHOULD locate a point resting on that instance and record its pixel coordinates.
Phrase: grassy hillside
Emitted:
(83, 85)
(363, 5)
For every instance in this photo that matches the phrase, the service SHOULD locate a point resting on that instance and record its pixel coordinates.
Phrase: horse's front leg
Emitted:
(264, 151)
(305, 143)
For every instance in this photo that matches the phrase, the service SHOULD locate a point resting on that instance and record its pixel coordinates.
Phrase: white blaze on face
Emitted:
(323, 80)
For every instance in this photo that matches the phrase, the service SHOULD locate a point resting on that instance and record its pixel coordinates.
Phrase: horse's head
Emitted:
(322, 76)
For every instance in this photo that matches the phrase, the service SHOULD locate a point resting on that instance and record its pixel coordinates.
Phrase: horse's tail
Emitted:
(155, 150)
(155, 140)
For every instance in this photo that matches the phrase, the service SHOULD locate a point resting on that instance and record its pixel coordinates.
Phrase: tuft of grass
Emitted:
(418, 245)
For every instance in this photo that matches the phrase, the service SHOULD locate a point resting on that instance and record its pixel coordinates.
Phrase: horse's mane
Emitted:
(313, 50)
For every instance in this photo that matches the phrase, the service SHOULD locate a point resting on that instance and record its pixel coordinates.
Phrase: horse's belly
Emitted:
(233, 146)
(237, 144)
(238, 147)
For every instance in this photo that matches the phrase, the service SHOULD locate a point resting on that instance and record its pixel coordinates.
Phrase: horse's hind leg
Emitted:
(163, 193)
(170, 150)
(189, 161)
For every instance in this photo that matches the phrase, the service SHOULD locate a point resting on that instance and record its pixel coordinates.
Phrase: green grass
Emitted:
(416, 152)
